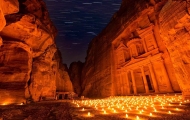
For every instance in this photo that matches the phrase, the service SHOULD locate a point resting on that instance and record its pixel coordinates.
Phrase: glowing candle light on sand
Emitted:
(137, 118)
(89, 114)
(169, 112)
(104, 112)
(140, 105)
(4, 104)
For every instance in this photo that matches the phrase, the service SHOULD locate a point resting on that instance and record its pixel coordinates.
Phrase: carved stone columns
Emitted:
(134, 83)
(128, 84)
(144, 45)
(153, 78)
(144, 80)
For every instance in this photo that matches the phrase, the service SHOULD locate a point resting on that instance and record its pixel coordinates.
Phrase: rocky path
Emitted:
(37, 111)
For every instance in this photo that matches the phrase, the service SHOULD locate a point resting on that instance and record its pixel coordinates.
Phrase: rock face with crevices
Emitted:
(28, 67)
(175, 29)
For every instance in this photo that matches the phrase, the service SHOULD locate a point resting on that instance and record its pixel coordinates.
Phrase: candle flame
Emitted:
(88, 113)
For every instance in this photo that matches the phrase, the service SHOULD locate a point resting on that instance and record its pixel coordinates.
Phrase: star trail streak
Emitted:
(78, 22)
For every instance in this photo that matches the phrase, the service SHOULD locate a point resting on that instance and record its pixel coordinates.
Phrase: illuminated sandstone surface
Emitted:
(144, 49)
(2, 18)
(174, 29)
(28, 66)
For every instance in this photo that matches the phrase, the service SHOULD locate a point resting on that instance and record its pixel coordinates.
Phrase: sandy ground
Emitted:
(66, 110)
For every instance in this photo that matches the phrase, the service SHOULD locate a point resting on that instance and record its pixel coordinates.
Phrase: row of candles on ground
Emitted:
(142, 105)
(6, 103)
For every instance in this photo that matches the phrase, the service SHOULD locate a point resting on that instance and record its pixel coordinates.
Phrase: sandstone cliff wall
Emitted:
(169, 19)
(28, 68)
(174, 28)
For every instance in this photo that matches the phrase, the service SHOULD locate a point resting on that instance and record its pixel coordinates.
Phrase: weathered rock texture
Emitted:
(174, 20)
(28, 68)
(75, 71)
(9, 6)
(2, 18)
(163, 26)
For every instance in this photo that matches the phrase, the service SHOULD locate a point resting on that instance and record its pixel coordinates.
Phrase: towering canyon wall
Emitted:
(164, 23)
(174, 28)
(28, 66)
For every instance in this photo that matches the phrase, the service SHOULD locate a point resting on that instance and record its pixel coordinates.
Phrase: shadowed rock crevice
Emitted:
(75, 72)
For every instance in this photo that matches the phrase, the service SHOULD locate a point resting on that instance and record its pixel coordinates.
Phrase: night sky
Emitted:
(78, 22)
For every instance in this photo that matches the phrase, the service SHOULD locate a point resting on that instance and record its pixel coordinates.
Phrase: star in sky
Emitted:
(78, 22)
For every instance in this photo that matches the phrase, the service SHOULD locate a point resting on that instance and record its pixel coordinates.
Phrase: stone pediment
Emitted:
(145, 31)
(133, 61)
(121, 46)
(133, 41)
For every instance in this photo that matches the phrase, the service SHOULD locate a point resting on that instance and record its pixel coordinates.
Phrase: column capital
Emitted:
(149, 64)
(141, 67)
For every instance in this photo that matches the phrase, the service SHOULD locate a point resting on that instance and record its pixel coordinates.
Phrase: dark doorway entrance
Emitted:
(66, 96)
(149, 82)
(60, 96)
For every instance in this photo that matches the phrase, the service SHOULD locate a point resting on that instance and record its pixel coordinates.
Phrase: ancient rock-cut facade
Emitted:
(140, 65)
(144, 49)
